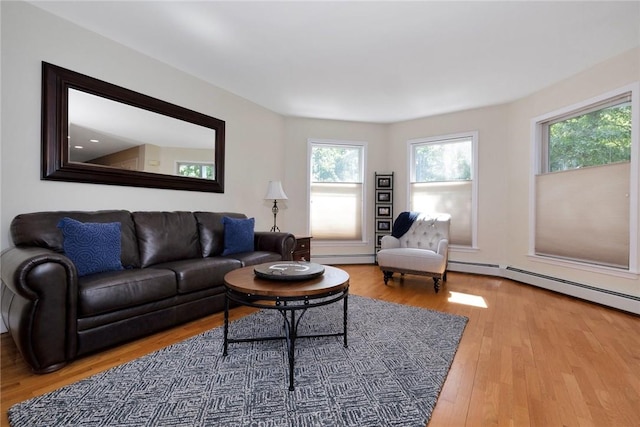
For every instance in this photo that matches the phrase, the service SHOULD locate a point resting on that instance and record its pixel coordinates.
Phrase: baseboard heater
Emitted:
(595, 294)
(477, 264)
(572, 283)
(474, 268)
(625, 302)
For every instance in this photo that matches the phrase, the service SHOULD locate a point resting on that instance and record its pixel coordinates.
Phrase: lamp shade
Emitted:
(275, 191)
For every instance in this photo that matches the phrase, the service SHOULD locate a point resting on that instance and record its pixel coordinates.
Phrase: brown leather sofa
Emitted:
(173, 272)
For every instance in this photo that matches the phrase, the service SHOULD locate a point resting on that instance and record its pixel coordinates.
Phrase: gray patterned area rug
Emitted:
(390, 375)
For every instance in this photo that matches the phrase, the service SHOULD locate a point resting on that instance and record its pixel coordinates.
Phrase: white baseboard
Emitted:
(606, 297)
(590, 293)
(344, 259)
(474, 268)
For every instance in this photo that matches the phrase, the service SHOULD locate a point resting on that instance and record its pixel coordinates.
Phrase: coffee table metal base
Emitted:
(288, 308)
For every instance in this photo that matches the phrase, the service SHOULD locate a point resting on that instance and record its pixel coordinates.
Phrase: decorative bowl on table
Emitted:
(288, 270)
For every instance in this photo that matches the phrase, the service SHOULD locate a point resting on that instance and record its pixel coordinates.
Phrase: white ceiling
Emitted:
(368, 61)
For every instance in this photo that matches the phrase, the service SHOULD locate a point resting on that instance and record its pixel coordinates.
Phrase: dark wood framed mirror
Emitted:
(97, 132)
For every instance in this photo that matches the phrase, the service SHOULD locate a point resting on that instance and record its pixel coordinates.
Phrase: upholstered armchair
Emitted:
(419, 244)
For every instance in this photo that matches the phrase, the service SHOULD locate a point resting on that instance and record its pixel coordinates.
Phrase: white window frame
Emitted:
(363, 220)
(538, 151)
(189, 162)
(474, 179)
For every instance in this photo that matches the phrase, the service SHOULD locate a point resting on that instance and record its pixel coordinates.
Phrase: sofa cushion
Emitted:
(197, 274)
(238, 235)
(166, 236)
(211, 231)
(40, 229)
(106, 292)
(92, 246)
(165, 306)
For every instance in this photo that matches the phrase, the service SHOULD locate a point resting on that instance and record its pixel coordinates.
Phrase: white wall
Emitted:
(262, 145)
(254, 135)
(504, 168)
(491, 125)
(297, 133)
(607, 76)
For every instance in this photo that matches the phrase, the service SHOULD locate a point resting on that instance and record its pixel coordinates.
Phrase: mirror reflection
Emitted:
(137, 139)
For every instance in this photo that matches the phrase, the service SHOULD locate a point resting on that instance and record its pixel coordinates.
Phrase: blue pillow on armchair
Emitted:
(238, 235)
(92, 247)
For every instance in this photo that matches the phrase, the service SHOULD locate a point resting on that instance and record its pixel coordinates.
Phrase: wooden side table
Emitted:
(302, 251)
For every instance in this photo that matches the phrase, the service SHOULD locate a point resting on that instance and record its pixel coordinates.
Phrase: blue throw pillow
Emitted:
(238, 235)
(93, 247)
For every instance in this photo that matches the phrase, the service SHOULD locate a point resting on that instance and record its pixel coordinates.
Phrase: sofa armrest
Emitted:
(39, 305)
(389, 242)
(282, 243)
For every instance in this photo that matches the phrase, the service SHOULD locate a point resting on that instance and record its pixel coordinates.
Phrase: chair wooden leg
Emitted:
(436, 284)
(387, 276)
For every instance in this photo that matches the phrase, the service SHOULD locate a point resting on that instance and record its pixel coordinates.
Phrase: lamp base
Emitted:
(275, 210)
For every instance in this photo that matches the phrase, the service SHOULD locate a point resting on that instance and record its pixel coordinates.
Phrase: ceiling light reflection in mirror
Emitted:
(118, 135)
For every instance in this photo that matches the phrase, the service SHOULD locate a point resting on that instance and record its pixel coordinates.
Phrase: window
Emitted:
(195, 170)
(336, 190)
(584, 206)
(443, 180)
(600, 135)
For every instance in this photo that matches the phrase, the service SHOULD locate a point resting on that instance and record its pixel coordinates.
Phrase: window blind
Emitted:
(583, 214)
(452, 197)
(336, 211)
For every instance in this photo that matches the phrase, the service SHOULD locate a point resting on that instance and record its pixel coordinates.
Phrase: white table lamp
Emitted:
(275, 193)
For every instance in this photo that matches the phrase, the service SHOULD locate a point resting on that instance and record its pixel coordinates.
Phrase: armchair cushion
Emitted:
(411, 259)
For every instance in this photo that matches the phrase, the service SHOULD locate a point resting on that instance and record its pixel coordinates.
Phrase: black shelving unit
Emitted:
(383, 206)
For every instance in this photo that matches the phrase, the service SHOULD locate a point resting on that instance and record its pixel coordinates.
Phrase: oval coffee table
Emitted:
(288, 297)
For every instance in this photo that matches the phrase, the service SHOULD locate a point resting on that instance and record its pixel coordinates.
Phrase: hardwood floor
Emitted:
(529, 358)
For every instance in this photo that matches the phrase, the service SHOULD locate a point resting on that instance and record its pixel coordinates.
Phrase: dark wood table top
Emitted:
(245, 281)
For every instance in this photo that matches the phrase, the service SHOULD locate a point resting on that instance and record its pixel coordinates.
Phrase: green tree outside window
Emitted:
(196, 170)
(441, 162)
(596, 138)
(335, 164)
